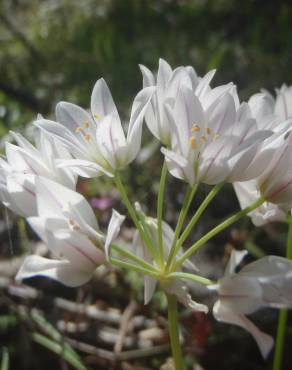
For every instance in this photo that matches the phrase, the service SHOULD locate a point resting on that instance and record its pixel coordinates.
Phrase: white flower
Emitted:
(168, 83)
(247, 193)
(211, 140)
(263, 283)
(270, 111)
(170, 285)
(97, 140)
(67, 224)
(276, 180)
(23, 164)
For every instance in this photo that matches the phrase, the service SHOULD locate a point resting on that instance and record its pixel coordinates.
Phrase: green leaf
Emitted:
(64, 350)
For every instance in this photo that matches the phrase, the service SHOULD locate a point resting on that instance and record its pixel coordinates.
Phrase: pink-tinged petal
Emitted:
(73, 141)
(53, 199)
(62, 271)
(113, 230)
(102, 103)
(111, 140)
(221, 117)
(30, 164)
(148, 78)
(178, 166)
(224, 314)
(21, 189)
(83, 168)
(78, 249)
(138, 111)
(72, 116)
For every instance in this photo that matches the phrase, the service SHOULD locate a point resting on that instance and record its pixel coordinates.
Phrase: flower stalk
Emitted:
(216, 230)
(160, 200)
(174, 332)
(283, 314)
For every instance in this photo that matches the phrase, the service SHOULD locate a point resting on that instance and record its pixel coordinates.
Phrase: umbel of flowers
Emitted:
(207, 136)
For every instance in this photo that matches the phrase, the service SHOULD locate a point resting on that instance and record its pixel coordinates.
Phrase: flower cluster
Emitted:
(207, 136)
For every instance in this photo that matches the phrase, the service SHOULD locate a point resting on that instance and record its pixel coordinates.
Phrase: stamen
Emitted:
(97, 116)
(195, 128)
(193, 143)
(71, 222)
(203, 139)
(208, 130)
(78, 130)
(216, 137)
(86, 124)
(87, 137)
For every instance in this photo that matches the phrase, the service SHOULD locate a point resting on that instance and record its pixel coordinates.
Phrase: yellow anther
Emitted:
(216, 137)
(208, 130)
(78, 130)
(86, 124)
(87, 137)
(203, 139)
(71, 222)
(97, 116)
(195, 128)
(193, 143)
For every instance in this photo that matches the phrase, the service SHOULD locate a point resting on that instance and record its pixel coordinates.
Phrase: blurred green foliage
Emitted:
(54, 50)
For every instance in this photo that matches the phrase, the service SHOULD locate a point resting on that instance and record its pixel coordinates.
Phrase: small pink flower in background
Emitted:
(102, 203)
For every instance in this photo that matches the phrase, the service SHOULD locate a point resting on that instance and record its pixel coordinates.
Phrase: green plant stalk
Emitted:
(216, 230)
(283, 314)
(160, 200)
(136, 268)
(174, 332)
(197, 215)
(134, 258)
(151, 247)
(132, 212)
(181, 218)
(193, 277)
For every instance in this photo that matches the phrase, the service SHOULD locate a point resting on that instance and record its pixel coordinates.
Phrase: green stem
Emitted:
(174, 332)
(199, 244)
(160, 200)
(283, 314)
(127, 202)
(198, 214)
(132, 257)
(130, 266)
(196, 278)
(132, 213)
(183, 213)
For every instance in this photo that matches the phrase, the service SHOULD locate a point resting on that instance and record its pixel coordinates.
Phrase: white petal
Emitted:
(138, 111)
(149, 288)
(102, 102)
(113, 230)
(21, 189)
(53, 198)
(83, 168)
(264, 341)
(235, 259)
(72, 116)
(62, 271)
(148, 78)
